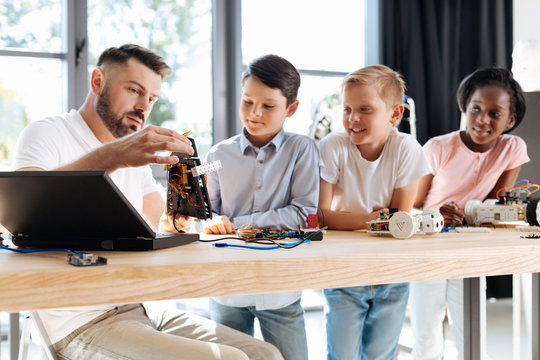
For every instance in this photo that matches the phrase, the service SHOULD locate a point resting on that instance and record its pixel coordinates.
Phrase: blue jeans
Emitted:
(283, 327)
(364, 322)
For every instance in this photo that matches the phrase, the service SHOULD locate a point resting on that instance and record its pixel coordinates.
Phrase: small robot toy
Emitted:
(403, 225)
(516, 204)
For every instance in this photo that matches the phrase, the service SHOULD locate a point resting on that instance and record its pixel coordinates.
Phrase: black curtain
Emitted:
(435, 43)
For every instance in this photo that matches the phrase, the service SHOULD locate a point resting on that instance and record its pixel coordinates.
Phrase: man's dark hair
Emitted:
(276, 73)
(495, 76)
(121, 55)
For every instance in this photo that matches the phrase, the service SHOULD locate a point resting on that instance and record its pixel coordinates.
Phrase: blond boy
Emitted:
(368, 169)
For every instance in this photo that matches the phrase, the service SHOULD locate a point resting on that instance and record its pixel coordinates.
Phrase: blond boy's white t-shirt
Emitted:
(56, 141)
(362, 185)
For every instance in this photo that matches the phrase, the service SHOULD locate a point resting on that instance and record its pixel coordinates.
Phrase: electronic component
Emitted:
(535, 235)
(250, 234)
(85, 259)
(403, 225)
(270, 237)
(206, 168)
(510, 207)
(73, 258)
(186, 191)
(312, 221)
(467, 229)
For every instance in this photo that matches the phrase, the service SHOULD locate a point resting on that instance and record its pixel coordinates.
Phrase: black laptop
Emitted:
(78, 210)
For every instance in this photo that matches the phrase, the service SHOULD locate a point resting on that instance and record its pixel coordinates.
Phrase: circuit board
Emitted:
(187, 193)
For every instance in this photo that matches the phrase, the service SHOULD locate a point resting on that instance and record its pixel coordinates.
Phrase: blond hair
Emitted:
(389, 83)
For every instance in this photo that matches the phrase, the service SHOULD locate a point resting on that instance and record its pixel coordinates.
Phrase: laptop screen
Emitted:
(67, 204)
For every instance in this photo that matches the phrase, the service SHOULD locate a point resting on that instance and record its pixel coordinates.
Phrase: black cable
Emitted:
(174, 221)
(272, 241)
(219, 239)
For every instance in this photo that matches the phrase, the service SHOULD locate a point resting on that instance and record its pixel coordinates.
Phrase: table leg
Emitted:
(471, 318)
(13, 336)
(535, 334)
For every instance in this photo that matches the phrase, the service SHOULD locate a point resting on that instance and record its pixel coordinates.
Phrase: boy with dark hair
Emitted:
(368, 169)
(269, 179)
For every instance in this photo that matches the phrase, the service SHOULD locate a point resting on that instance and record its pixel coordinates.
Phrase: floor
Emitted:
(499, 330)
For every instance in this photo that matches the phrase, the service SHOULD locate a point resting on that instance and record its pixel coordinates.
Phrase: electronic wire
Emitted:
(79, 255)
(289, 246)
(522, 188)
(266, 240)
(177, 212)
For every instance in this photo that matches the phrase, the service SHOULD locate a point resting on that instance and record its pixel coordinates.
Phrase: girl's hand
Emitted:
(452, 214)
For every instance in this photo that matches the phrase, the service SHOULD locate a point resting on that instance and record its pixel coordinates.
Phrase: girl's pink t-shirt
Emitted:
(460, 174)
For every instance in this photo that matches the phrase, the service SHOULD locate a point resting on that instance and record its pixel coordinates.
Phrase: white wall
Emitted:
(526, 15)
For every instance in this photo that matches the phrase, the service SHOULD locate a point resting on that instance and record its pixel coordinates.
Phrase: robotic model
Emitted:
(186, 191)
(403, 225)
(515, 205)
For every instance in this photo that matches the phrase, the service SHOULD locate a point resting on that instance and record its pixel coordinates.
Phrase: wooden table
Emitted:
(45, 280)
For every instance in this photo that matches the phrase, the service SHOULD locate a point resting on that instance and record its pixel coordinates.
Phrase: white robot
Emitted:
(493, 211)
(403, 225)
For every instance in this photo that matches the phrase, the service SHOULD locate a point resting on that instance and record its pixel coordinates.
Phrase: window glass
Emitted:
(316, 38)
(30, 89)
(181, 32)
(318, 98)
(33, 25)
(311, 34)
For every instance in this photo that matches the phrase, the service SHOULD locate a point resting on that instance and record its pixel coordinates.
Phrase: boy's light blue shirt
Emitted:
(275, 186)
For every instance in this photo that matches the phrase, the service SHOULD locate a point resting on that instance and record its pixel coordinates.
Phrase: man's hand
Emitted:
(452, 214)
(219, 225)
(140, 148)
(166, 224)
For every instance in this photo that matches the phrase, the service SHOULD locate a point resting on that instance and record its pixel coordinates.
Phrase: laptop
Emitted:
(77, 210)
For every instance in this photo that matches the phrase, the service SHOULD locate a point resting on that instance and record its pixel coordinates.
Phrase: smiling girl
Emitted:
(471, 164)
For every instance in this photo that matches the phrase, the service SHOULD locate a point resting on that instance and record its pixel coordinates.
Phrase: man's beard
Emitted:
(113, 123)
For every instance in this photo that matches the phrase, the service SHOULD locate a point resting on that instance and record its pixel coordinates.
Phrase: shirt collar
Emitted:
(84, 130)
(277, 141)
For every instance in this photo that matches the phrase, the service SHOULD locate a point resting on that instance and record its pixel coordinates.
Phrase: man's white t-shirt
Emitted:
(57, 141)
(362, 185)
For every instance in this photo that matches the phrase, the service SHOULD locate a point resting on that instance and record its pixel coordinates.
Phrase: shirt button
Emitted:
(258, 188)
(260, 161)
